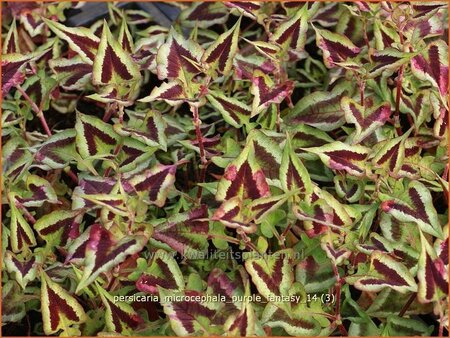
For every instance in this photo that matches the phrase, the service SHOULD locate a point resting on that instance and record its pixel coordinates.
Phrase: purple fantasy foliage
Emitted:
(251, 169)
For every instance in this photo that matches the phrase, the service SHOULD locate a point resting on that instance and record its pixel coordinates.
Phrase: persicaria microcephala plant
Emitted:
(253, 168)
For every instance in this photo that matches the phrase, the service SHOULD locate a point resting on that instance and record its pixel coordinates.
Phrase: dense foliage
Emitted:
(281, 168)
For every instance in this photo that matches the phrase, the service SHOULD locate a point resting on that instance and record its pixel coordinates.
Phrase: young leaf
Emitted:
(112, 65)
(104, 252)
(59, 308)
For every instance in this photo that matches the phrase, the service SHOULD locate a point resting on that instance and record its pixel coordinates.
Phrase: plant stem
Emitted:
(26, 213)
(41, 117)
(198, 133)
(397, 101)
(278, 118)
(407, 305)
(337, 312)
(203, 159)
(36, 109)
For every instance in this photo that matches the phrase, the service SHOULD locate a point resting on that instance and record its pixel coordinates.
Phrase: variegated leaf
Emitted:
(11, 42)
(94, 138)
(265, 91)
(24, 270)
(229, 213)
(185, 233)
(59, 225)
(149, 130)
(386, 272)
(432, 274)
(366, 121)
(188, 318)
(112, 64)
(162, 272)
(291, 34)
(57, 152)
(416, 206)
(220, 54)
(75, 73)
(342, 156)
(272, 274)
(173, 93)
(320, 109)
(233, 111)
(80, 39)
(21, 234)
(244, 178)
(41, 191)
(297, 324)
(104, 252)
(204, 14)
(13, 66)
(432, 66)
(293, 174)
(178, 58)
(336, 48)
(59, 308)
(120, 317)
(156, 182)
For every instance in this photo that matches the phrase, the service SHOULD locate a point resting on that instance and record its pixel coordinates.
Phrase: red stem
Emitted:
(337, 311)
(407, 305)
(397, 101)
(26, 213)
(36, 109)
(41, 117)
(198, 133)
